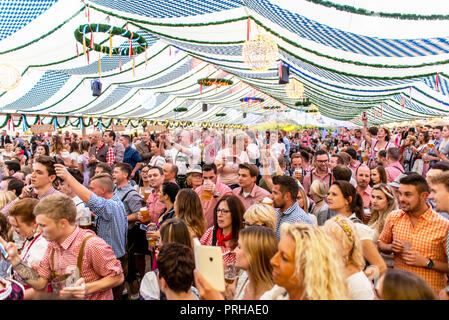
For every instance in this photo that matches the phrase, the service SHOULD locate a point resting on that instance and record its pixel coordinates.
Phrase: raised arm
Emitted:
(80, 190)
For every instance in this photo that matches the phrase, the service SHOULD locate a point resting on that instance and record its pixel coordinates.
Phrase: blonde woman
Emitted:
(6, 197)
(342, 230)
(260, 214)
(320, 209)
(307, 266)
(256, 246)
(8, 154)
(303, 202)
(383, 202)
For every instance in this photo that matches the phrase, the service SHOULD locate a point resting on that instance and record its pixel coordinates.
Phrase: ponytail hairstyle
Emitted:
(355, 199)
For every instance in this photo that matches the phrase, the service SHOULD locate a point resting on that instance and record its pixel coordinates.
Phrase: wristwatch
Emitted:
(429, 264)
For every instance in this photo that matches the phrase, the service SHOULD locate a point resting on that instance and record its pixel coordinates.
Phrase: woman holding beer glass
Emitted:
(228, 221)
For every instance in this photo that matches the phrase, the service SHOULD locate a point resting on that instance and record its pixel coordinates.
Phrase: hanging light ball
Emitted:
(9, 77)
(148, 101)
(261, 52)
(294, 89)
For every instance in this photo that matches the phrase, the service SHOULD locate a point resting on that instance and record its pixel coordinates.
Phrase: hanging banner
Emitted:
(118, 127)
(41, 128)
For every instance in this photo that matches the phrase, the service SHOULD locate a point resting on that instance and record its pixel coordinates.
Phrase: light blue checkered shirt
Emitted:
(112, 224)
(294, 214)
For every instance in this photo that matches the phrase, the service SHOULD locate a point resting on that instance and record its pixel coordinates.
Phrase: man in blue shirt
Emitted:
(131, 155)
(284, 193)
(110, 214)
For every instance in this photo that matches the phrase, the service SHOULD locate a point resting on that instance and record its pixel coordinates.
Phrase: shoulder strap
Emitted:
(126, 194)
(52, 263)
(214, 237)
(81, 254)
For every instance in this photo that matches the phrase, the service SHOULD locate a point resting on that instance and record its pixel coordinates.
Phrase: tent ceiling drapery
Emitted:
(391, 63)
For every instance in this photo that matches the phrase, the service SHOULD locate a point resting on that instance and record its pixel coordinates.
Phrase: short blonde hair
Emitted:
(56, 207)
(317, 262)
(263, 214)
(319, 188)
(342, 230)
(6, 197)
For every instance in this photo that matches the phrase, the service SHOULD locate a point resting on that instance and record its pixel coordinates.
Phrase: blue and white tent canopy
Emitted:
(390, 59)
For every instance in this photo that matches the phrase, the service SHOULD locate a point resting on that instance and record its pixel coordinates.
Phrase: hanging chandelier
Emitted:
(10, 77)
(261, 52)
(294, 89)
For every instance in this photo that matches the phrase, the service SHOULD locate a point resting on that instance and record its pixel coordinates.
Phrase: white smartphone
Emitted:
(209, 262)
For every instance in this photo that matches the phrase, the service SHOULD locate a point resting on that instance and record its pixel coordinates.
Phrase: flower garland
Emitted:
(207, 82)
(83, 29)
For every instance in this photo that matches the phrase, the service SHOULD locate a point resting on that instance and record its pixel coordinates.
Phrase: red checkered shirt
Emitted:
(228, 254)
(428, 237)
(99, 260)
(110, 156)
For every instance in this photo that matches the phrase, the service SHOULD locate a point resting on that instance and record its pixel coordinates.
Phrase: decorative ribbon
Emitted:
(87, 56)
(134, 73)
(91, 37)
(110, 43)
(99, 64)
(120, 62)
(77, 51)
(131, 45)
(248, 27)
(437, 81)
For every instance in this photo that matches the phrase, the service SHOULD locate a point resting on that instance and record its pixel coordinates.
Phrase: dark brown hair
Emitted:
(382, 173)
(175, 263)
(237, 209)
(350, 193)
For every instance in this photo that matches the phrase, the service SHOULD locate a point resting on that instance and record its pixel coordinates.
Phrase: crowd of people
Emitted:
(356, 214)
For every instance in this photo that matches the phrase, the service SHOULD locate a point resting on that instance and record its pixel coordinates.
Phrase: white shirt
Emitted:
(360, 287)
(253, 151)
(157, 161)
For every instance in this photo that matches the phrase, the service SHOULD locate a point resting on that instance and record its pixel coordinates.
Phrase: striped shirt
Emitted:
(111, 220)
(292, 215)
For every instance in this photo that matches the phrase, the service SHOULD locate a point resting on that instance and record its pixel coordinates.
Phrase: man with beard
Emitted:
(284, 194)
(155, 206)
(416, 234)
(439, 187)
(363, 176)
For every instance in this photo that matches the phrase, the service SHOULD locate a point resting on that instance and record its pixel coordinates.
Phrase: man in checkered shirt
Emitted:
(416, 234)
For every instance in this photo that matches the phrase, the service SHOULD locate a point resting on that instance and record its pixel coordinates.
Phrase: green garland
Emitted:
(207, 82)
(365, 12)
(83, 29)
(306, 102)
(180, 109)
(221, 114)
